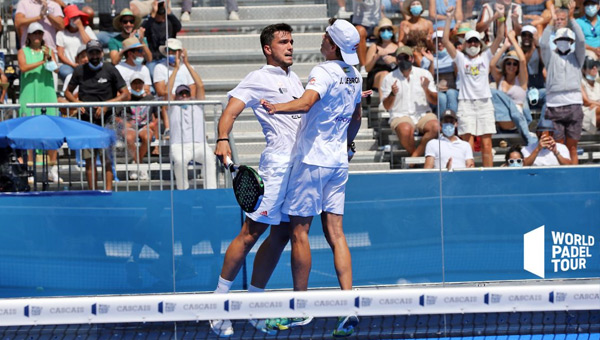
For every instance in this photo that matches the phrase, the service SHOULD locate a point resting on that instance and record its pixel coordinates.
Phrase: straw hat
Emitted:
(385, 22)
(126, 12)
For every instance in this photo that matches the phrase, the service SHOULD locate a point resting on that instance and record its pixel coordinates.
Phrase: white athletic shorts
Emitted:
(313, 189)
(476, 117)
(275, 181)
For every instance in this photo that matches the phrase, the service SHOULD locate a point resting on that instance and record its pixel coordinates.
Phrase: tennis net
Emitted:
(528, 312)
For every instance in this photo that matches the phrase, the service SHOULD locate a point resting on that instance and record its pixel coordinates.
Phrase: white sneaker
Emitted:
(133, 175)
(342, 14)
(53, 175)
(222, 328)
(185, 16)
(143, 175)
(234, 15)
(261, 325)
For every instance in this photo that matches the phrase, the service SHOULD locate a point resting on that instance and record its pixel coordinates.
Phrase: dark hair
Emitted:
(338, 52)
(514, 148)
(268, 33)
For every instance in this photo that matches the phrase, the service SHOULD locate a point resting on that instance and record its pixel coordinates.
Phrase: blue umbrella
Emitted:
(50, 132)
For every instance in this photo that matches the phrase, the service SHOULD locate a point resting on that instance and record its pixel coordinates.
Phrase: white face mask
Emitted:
(563, 46)
(473, 50)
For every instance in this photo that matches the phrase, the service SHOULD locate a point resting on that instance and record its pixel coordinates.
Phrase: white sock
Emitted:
(223, 286)
(252, 289)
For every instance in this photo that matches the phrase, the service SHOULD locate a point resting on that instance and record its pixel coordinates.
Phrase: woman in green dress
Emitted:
(37, 62)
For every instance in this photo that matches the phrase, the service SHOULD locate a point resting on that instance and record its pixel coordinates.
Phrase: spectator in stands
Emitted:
(231, 7)
(142, 8)
(77, 33)
(37, 62)
(441, 64)
(134, 62)
(475, 108)
(139, 124)
(381, 56)
(128, 25)
(505, 13)
(546, 152)
(188, 142)
(514, 157)
(536, 13)
(415, 30)
(107, 10)
(97, 82)
(158, 30)
(590, 89)
(407, 93)
(536, 93)
(513, 82)
(47, 13)
(161, 77)
(590, 25)
(366, 16)
(437, 12)
(448, 151)
(80, 59)
(563, 82)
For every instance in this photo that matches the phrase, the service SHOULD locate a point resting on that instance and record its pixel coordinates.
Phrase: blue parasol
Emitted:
(50, 132)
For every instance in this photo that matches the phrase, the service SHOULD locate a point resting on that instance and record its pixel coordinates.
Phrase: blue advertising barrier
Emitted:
(409, 227)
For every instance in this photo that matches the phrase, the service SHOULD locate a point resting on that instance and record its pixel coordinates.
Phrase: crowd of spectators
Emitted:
(486, 64)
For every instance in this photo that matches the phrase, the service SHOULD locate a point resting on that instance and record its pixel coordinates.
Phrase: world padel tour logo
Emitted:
(491, 298)
(166, 307)
(362, 302)
(231, 305)
(32, 311)
(569, 251)
(298, 304)
(98, 308)
(557, 297)
(426, 300)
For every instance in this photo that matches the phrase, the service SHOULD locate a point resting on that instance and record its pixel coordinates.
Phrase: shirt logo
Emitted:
(264, 213)
(312, 81)
(102, 80)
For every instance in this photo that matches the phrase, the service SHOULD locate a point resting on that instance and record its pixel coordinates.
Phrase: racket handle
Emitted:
(229, 164)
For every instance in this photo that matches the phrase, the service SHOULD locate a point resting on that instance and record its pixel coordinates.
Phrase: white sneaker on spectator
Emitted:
(233, 15)
(143, 175)
(53, 175)
(133, 175)
(342, 14)
(185, 16)
(222, 328)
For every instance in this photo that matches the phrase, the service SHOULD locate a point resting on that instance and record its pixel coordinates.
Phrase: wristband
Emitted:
(223, 140)
(392, 94)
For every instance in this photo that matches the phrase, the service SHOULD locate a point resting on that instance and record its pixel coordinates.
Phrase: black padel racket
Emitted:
(248, 186)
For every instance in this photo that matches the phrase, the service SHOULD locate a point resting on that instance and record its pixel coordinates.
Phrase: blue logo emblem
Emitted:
(32, 311)
(232, 305)
(166, 307)
(427, 300)
(557, 297)
(491, 298)
(298, 303)
(100, 309)
(362, 302)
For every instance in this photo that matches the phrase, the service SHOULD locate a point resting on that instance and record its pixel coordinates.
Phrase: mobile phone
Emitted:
(545, 134)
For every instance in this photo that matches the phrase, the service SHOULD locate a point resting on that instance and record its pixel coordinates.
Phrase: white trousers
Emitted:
(182, 154)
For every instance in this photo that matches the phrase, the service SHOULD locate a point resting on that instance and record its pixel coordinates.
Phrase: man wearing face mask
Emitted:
(77, 32)
(590, 25)
(160, 26)
(448, 151)
(563, 82)
(129, 25)
(407, 93)
(97, 82)
(134, 62)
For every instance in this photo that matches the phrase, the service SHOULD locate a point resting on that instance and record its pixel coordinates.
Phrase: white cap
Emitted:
(34, 27)
(437, 34)
(174, 44)
(529, 28)
(346, 37)
(564, 33)
(136, 75)
(472, 34)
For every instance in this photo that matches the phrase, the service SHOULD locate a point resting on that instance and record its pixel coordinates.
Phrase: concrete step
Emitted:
(278, 12)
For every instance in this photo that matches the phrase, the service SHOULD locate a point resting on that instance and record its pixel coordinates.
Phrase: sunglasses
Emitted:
(128, 21)
(513, 161)
(389, 29)
(473, 40)
(511, 63)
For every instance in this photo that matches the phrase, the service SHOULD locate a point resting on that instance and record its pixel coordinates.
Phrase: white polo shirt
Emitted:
(545, 157)
(322, 139)
(276, 86)
(443, 149)
(183, 76)
(473, 75)
(127, 71)
(411, 99)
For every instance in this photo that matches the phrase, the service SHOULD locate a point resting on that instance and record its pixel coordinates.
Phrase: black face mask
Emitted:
(404, 65)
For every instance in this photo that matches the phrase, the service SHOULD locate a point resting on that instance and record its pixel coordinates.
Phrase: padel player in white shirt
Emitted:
(277, 82)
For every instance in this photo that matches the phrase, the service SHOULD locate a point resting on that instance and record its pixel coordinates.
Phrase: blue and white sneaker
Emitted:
(345, 326)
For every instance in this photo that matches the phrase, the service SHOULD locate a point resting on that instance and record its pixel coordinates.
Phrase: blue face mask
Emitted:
(138, 61)
(171, 59)
(97, 67)
(590, 77)
(416, 10)
(515, 163)
(386, 35)
(591, 10)
(448, 129)
(50, 66)
(442, 53)
(138, 93)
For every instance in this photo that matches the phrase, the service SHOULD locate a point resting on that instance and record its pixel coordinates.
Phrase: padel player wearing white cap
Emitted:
(317, 183)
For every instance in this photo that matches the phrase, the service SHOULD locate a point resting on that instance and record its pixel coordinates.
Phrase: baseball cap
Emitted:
(80, 49)
(472, 34)
(174, 44)
(34, 27)
(404, 50)
(93, 45)
(564, 33)
(510, 55)
(529, 28)
(136, 75)
(437, 34)
(346, 37)
(449, 115)
(182, 88)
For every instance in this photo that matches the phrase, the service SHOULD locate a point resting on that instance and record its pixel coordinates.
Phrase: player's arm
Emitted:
(300, 105)
(354, 125)
(231, 112)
